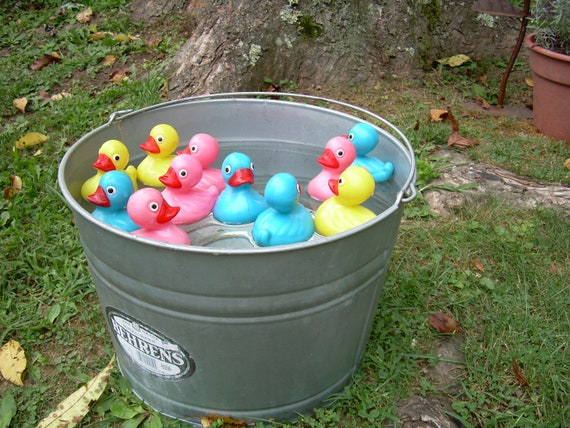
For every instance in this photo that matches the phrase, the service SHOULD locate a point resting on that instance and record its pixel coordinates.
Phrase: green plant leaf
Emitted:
(123, 410)
(7, 409)
(53, 313)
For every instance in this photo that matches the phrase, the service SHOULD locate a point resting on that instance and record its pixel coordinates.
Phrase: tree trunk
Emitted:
(242, 44)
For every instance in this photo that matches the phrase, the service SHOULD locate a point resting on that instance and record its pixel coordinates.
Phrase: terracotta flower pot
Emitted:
(551, 92)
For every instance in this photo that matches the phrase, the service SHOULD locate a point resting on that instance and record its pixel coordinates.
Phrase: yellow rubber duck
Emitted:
(113, 155)
(161, 143)
(343, 211)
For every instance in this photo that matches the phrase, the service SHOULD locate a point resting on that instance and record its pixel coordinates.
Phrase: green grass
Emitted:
(515, 308)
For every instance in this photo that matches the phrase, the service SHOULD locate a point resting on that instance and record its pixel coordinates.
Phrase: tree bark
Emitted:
(241, 44)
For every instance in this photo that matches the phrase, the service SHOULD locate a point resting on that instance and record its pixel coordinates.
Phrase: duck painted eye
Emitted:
(252, 166)
(227, 169)
(340, 153)
(159, 139)
(351, 136)
(153, 207)
(116, 157)
(111, 190)
(194, 149)
(182, 173)
(340, 181)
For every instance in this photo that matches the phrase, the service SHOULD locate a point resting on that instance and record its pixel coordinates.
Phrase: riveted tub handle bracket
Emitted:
(410, 193)
(118, 115)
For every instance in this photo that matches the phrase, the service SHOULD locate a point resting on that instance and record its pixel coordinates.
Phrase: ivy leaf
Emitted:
(73, 409)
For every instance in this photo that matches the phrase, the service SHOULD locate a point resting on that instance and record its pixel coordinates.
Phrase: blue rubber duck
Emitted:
(365, 139)
(286, 221)
(238, 203)
(111, 197)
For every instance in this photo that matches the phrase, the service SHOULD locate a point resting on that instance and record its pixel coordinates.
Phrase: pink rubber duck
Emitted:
(148, 209)
(206, 149)
(339, 153)
(181, 190)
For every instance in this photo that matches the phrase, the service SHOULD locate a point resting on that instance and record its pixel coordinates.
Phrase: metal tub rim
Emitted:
(406, 194)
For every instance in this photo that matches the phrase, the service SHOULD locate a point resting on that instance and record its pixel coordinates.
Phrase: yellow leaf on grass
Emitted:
(31, 139)
(437, 115)
(455, 60)
(98, 35)
(567, 163)
(12, 362)
(14, 188)
(109, 60)
(124, 38)
(85, 16)
(21, 103)
(73, 409)
(60, 96)
(529, 81)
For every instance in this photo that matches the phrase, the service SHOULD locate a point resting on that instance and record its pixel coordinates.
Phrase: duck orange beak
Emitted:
(166, 213)
(333, 185)
(170, 179)
(104, 163)
(328, 159)
(150, 145)
(99, 198)
(185, 151)
(241, 176)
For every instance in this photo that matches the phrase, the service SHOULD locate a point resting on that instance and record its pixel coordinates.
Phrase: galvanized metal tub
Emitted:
(221, 326)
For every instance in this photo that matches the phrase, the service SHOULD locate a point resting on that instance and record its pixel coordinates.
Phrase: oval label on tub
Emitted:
(148, 348)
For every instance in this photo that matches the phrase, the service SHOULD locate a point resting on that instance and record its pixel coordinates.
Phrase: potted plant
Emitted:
(549, 45)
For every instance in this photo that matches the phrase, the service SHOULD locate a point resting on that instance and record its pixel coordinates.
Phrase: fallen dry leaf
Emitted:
(44, 95)
(85, 16)
(154, 40)
(567, 163)
(437, 115)
(444, 323)
(73, 409)
(44, 61)
(60, 96)
(483, 79)
(12, 362)
(30, 139)
(459, 141)
(484, 103)
(212, 420)
(20, 104)
(124, 38)
(456, 139)
(520, 378)
(476, 263)
(14, 188)
(118, 76)
(552, 268)
(109, 60)
(529, 81)
(98, 35)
